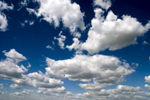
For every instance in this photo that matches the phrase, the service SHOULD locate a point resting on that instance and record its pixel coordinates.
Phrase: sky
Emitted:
(74, 49)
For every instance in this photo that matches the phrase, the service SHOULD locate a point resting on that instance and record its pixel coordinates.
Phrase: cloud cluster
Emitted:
(122, 92)
(3, 19)
(11, 69)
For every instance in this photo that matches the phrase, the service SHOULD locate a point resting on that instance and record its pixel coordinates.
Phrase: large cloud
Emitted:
(61, 10)
(104, 70)
(112, 33)
(3, 20)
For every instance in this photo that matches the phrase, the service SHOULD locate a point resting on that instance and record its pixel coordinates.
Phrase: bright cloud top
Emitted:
(112, 33)
(61, 10)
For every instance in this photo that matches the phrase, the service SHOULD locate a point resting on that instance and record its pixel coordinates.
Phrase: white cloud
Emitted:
(60, 90)
(61, 40)
(105, 4)
(13, 54)
(75, 45)
(3, 19)
(3, 22)
(49, 47)
(1, 86)
(61, 10)
(147, 79)
(44, 81)
(105, 70)
(9, 67)
(15, 86)
(112, 33)
(147, 87)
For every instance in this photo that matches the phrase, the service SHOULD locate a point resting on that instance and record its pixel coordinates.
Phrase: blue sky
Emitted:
(74, 49)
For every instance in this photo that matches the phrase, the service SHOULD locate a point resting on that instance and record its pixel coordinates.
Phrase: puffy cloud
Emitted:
(75, 45)
(60, 90)
(61, 10)
(104, 70)
(147, 79)
(112, 33)
(15, 86)
(147, 87)
(13, 54)
(61, 40)
(105, 4)
(3, 20)
(9, 67)
(43, 80)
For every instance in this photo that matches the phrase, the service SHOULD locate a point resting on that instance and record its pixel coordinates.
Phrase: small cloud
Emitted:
(144, 43)
(1, 86)
(49, 47)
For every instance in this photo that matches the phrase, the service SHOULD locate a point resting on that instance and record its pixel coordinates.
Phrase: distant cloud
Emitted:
(49, 47)
(15, 86)
(144, 43)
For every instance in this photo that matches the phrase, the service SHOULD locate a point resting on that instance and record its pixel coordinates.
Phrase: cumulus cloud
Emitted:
(112, 33)
(14, 55)
(105, 4)
(15, 86)
(43, 80)
(104, 70)
(147, 79)
(55, 11)
(3, 19)
(9, 67)
(60, 90)
(61, 40)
